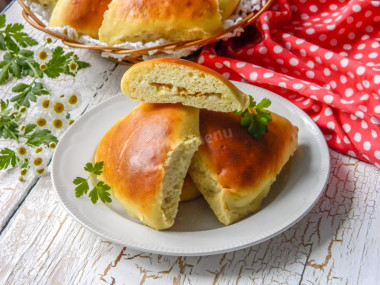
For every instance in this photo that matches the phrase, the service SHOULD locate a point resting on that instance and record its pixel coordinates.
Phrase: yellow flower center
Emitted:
(59, 108)
(73, 99)
(41, 122)
(23, 171)
(21, 150)
(38, 149)
(40, 170)
(57, 123)
(37, 161)
(71, 122)
(45, 103)
(43, 66)
(73, 66)
(52, 145)
(43, 55)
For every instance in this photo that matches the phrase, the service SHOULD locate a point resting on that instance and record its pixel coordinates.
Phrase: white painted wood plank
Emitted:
(345, 237)
(88, 82)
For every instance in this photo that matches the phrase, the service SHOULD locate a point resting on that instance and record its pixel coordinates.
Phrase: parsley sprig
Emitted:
(256, 117)
(8, 158)
(101, 190)
(12, 36)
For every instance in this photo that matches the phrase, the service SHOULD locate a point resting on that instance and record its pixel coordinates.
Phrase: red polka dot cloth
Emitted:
(324, 56)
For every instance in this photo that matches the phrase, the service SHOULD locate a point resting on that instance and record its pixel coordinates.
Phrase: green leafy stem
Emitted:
(100, 191)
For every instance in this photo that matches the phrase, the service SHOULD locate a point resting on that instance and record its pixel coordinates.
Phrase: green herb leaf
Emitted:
(13, 36)
(28, 93)
(96, 169)
(39, 137)
(29, 128)
(8, 125)
(82, 186)
(4, 72)
(8, 157)
(265, 103)
(20, 87)
(101, 191)
(57, 65)
(13, 64)
(256, 117)
(2, 21)
(82, 64)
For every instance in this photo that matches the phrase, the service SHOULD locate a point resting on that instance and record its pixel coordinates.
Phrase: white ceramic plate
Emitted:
(196, 231)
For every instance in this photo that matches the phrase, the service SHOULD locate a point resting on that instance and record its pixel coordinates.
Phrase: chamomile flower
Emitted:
(72, 100)
(52, 145)
(43, 102)
(22, 151)
(43, 66)
(38, 149)
(38, 160)
(40, 171)
(59, 123)
(41, 120)
(16, 114)
(21, 127)
(23, 109)
(23, 171)
(58, 108)
(48, 40)
(73, 66)
(43, 55)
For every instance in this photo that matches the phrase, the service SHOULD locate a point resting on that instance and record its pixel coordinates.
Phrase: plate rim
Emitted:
(274, 231)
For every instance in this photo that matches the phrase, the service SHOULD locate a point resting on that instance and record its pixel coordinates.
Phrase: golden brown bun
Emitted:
(189, 190)
(149, 20)
(85, 16)
(232, 169)
(146, 156)
(169, 80)
(227, 7)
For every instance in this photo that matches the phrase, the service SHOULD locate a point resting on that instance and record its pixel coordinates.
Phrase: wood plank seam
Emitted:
(18, 206)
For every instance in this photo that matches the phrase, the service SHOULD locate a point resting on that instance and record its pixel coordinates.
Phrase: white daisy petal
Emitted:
(58, 107)
(22, 151)
(59, 124)
(38, 160)
(72, 99)
(42, 55)
(44, 102)
(41, 119)
(73, 66)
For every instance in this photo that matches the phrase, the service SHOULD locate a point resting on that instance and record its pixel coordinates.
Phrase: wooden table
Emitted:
(337, 242)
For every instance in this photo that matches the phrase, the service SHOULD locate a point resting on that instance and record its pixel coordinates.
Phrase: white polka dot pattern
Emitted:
(324, 56)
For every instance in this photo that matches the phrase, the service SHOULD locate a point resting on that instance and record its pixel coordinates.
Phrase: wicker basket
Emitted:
(135, 55)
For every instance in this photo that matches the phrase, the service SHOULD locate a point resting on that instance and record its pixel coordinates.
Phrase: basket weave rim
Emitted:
(32, 19)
